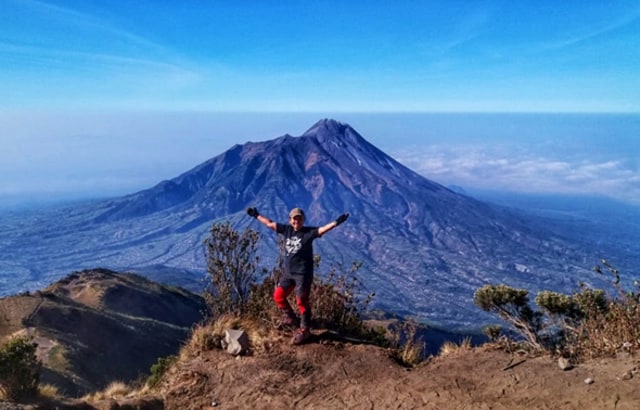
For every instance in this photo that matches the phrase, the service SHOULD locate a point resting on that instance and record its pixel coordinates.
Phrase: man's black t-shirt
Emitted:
(298, 248)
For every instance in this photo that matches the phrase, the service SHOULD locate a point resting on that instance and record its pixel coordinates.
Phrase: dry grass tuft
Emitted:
(115, 389)
(449, 347)
(411, 353)
(407, 348)
(202, 340)
(48, 391)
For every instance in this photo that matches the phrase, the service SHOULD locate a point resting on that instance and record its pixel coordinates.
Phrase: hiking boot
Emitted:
(301, 336)
(288, 322)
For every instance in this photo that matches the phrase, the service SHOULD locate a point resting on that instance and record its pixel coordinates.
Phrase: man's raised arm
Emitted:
(265, 221)
(326, 228)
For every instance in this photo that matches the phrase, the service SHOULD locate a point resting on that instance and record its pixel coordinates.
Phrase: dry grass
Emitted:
(450, 348)
(605, 333)
(209, 336)
(411, 353)
(115, 389)
(258, 332)
(407, 349)
(202, 340)
(48, 391)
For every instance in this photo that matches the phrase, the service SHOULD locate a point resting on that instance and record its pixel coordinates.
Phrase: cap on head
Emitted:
(296, 212)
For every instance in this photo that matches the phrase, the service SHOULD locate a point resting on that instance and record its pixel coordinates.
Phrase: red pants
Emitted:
(302, 285)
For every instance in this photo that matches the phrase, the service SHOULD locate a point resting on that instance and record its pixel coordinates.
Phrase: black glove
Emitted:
(341, 219)
(253, 212)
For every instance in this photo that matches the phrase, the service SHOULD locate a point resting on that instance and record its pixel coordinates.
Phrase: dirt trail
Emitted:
(335, 375)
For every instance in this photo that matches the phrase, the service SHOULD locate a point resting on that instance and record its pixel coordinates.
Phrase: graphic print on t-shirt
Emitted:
(293, 245)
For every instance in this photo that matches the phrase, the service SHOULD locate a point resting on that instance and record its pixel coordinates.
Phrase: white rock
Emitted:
(564, 364)
(236, 341)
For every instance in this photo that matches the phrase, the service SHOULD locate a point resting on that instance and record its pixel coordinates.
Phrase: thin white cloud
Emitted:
(597, 29)
(51, 56)
(72, 19)
(90, 52)
(465, 29)
(480, 168)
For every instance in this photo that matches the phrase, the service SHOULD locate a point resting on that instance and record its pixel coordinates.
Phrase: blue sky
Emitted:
(113, 96)
(315, 56)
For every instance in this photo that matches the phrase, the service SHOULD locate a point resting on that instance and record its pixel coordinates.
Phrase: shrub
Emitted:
(512, 305)
(492, 332)
(591, 301)
(582, 325)
(19, 368)
(261, 305)
(558, 304)
(231, 264)
(337, 301)
(609, 323)
(159, 368)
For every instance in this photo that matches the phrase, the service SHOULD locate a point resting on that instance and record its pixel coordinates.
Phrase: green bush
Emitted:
(159, 369)
(19, 368)
(492, 332)
(231, 264)
(512, 305)
(558, 304)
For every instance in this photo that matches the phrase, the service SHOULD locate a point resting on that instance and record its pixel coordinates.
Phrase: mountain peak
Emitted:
(327, 126)
(330, 130)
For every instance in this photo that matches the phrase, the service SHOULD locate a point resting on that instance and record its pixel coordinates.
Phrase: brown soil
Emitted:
(336, 375)
(330, 374)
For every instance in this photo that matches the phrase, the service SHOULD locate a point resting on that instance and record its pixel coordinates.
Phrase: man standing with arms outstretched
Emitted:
(298, 266)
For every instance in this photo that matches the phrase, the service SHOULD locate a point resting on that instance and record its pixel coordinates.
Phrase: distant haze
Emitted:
(52, 155)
